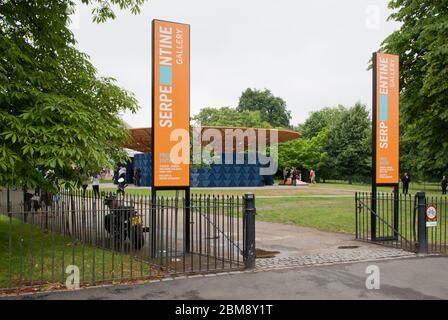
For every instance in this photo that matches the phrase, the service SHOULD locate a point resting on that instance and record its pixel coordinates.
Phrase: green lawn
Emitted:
(27, 267)
(327, 206)
(332, 214)
(301, 206)
(331, 187)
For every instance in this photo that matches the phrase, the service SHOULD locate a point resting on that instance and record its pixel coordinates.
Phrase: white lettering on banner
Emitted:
(384, 90)
(384, 71)
(179, 47)
(166, 42)
(384, 137)
(166, 90)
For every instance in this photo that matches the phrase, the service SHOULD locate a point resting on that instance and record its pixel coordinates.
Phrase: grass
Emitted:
(331, 214)
(328, 188)
(326, 206)
(42, 257)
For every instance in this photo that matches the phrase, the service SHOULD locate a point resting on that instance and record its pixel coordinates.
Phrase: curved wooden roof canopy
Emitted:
(141, 138)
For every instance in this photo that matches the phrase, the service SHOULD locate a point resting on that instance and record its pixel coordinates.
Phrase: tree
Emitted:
(422, 43)
(103, 9)
(272, 109)
(319, 120)
(348, 144)
(55, 112)
(305, 154)
(227, 116)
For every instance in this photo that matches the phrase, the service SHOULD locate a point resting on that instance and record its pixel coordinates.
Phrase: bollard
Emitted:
(422, 232)
(249, 231)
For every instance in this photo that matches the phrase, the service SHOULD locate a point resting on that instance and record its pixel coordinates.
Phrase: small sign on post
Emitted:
(431, 216)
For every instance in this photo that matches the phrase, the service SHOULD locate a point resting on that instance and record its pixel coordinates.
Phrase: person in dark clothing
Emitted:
(137, 176)
(294, 176)
(285, 175)
(405, 180)
(444, 184)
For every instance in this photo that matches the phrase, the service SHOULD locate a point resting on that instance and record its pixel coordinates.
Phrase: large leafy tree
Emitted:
(348, 144)
(273, 109)
(319, 120)
(227, 116)
(55, 112)
(422, 43)
(305, 154)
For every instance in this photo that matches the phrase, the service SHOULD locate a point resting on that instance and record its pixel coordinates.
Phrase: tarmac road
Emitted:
(413, 278)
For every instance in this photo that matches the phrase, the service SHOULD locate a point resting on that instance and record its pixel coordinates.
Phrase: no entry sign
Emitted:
(431, 216)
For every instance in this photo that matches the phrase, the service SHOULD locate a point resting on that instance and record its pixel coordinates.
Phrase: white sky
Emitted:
(313, 54)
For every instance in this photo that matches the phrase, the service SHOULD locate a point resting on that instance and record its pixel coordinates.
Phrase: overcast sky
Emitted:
(313, 54)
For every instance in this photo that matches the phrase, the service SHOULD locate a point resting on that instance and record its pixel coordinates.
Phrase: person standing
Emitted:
(84, 183)
(294, 176)
(137, 176)
(285, 175)
(96, 185)
(405, 180)
(312, 176)
(122, 172)
(444, 184)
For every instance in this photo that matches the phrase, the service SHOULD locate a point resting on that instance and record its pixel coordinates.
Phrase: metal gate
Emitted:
(399, 221)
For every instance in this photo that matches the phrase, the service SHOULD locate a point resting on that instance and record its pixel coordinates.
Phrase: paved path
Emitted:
(418, 278)
(341, 256)
(293, 240)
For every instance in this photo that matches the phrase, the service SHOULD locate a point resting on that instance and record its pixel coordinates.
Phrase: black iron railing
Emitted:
(400, 221)
(120, 237)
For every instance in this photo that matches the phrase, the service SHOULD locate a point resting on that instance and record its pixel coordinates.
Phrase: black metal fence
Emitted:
(400, 221)
(117, 238)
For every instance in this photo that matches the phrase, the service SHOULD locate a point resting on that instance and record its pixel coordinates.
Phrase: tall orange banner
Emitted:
(386, 113)
(170, 104)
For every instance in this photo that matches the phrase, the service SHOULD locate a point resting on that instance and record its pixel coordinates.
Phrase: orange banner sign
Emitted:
(386, 118)
(171, 104)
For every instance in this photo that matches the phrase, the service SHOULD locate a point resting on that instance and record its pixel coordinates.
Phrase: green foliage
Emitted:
(348, 143)
(319, 120)
(55, 112)
(304, 153)
(103, 9)
(422, 43)
(336, 144)
(227, 116)
(273, 109)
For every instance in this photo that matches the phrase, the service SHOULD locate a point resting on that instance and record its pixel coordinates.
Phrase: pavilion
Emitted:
(215, 175)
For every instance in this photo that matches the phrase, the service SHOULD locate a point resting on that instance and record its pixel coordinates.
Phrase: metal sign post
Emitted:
(170, 116)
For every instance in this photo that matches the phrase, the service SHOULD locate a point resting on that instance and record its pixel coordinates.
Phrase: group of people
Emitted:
(292, 176)
(405, 180)
(137, 174)
(96, 177)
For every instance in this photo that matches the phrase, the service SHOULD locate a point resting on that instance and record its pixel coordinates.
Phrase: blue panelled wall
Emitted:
(215, 175)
